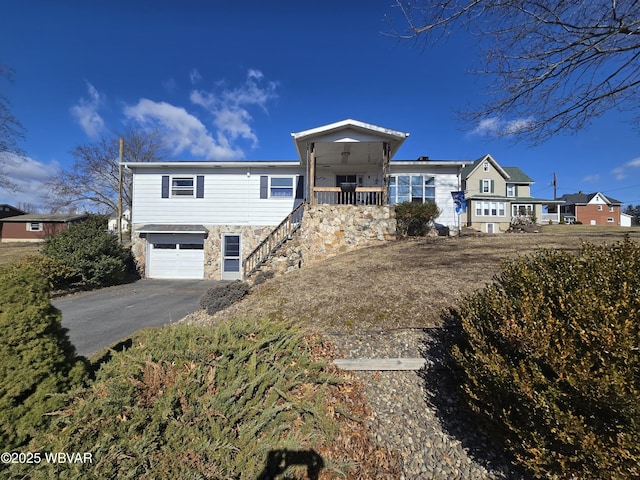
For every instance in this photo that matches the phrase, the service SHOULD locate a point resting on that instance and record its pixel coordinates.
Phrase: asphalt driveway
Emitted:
(101, 318)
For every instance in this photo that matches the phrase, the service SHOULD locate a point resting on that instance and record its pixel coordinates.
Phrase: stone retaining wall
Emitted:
(329, 230)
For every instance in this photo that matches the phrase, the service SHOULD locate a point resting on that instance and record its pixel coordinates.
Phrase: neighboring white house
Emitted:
(204, 219)
(125, 221)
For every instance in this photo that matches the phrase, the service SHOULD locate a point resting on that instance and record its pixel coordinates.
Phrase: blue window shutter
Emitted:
(480, 188)
(516, 191)
(264, 186)
(200, 186)
(492, 184)
(300, 187)
(165, 186)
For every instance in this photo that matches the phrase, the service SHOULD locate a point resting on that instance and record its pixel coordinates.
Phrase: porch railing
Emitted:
(274, 240)
(337, 196)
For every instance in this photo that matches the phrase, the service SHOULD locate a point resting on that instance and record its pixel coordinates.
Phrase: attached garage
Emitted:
(175, 253)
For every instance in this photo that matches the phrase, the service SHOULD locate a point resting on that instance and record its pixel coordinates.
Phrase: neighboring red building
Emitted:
(34, 227)
(591, 209)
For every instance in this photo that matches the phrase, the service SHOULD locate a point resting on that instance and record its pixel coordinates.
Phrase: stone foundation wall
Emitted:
(326, 230)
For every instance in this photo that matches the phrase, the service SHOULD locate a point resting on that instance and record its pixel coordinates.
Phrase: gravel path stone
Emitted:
(416, 414)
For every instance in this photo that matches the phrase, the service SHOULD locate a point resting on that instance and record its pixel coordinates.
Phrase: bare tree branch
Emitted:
(553, 65)
(92, 180)
(11, 131)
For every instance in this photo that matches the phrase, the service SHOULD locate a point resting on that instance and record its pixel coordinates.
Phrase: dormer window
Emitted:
(485, 166)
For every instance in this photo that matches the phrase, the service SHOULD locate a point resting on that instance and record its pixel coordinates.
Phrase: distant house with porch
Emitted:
(498, 196)
(228, 219)
(593, 209)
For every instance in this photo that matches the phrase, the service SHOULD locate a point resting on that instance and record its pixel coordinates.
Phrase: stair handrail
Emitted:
(272, 241)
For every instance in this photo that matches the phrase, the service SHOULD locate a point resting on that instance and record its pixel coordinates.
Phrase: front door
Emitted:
(231, 261)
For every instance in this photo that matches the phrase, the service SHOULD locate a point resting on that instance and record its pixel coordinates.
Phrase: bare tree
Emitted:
(553, 65)
(11, 131)
(92, 180)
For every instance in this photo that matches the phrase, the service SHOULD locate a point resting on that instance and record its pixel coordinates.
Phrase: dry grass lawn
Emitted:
(406, 283)
(10, 252)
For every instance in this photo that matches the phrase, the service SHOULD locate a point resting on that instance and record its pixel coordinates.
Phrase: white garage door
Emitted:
(175, 256)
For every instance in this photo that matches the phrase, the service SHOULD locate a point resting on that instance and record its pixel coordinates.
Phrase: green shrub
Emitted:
(223, 295)
(91, 251)
(415, 219)
(57, 273)
(550, 357)
(195, 402)
(37, 361)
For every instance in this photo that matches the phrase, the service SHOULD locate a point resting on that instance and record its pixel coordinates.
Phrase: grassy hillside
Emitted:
(10, 252)
(403, 283)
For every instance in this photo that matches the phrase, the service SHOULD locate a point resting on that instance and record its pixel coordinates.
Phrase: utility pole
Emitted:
(120, 192)
(555, 186)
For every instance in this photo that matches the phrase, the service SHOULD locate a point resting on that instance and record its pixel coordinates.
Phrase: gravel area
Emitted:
(415, 414)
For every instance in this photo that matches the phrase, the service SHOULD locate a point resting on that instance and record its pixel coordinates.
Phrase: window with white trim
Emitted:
(281, 187)
(412, 188)
(485, 166)
(511, 191)
(611, 208)
(599, 208)
(610, 219)
(490, 209)
(182, 187)
(34, 226)
(486, 185)
(518, 210)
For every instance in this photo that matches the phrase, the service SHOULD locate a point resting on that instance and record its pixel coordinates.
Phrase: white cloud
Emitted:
(86, 112)
(181, 130)
(230, 107)
(591, 178)
(231, 120)
(194, 76)
(624, 171)
(29, 177)
(494, 127)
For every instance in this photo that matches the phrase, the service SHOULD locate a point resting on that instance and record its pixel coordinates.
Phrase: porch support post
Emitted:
(312, 174)
(385, 172)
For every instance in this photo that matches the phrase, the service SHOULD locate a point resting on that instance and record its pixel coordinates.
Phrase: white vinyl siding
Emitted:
(229, 197)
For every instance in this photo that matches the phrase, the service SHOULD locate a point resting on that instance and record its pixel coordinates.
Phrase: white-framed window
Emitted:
(519, 209)
(490, 209)
(412, 188)
(610, 219)
(281, 187)
(599, 208)
(486, 185)
(485, 166)
(611, 208)
(511, 191)
(183, 187)
(34, 226)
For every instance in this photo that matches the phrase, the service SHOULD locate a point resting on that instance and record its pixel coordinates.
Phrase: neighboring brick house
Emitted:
(35, 227)
(591, 209)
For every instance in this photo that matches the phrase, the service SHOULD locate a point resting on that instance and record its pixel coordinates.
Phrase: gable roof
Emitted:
(348, 131)
(517, 176)
(582, 198)
(467, 171)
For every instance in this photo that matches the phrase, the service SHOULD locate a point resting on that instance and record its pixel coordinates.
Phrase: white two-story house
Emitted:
(208, 219)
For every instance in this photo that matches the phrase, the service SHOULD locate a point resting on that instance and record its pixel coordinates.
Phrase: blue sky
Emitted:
(232, 80)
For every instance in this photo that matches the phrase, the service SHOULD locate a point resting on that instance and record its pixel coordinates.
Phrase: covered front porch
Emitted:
(347, 162)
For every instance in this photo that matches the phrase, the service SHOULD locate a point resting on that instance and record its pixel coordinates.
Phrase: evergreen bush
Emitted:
(57, 273)
(549, 356)
(189, 401)
(37, 361)
(415, 219)
(93, 253)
